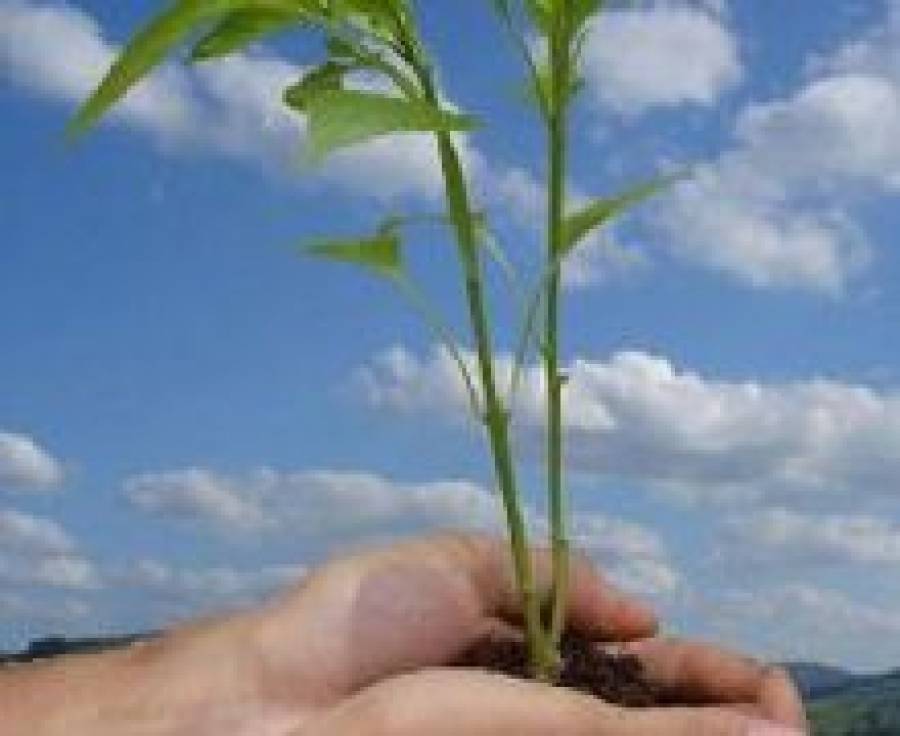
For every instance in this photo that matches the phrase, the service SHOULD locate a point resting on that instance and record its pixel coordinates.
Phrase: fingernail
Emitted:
(767, 728)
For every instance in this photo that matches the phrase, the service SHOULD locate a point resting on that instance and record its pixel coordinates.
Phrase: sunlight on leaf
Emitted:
(328, 76)
(241, 28)
(380, 254)
(340, 118)
(150, 46)
(600, 211)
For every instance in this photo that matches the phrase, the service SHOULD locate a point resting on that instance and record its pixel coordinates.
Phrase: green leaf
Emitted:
(541, 14)
(377, 18)
(342, 50)
(343, 117)
(493, 248)
(581, 11)
(578, 225)
(151, 45)
(380, 254)
(241, 28)
(326, 77)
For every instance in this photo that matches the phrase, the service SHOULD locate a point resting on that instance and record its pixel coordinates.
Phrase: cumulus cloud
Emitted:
(775, 209)
(230, 107)
(660, 56)
(815, 538)
(327, 503)
(36, 551)
(716, 220)
(26, 534)
(318, 501)
(803, 622)
(208, 586)
(196, 493)
(37, 613)
(233, 107)
(31, 39)
(638, 418)
(633, 555)
(25, 465)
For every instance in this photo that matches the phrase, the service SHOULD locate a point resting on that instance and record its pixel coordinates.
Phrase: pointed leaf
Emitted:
(151, 45)
(580, 11)
(381, 253)
(581, 223)
(493, 248)
(541, 14)
(378, 18)
(343, 117)
(344, 51)
(328, 76)
(241, 28)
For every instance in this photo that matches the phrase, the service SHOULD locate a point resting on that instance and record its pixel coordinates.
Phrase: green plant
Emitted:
(381, 37)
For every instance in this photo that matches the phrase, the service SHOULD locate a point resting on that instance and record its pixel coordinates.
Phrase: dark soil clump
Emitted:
(615, 678)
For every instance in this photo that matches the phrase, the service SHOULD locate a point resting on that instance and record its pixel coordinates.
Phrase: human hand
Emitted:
(358, 649)
(417, 606)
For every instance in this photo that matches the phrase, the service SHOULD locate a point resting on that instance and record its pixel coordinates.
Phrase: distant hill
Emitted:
(56, 646)
(816, 680)
(842, 704)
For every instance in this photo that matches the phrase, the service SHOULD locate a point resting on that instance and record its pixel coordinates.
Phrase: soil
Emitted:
(613, 677)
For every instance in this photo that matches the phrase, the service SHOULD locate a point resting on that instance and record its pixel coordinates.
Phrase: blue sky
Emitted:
(190, 414)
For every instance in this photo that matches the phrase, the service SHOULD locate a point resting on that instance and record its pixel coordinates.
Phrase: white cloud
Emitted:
(230, 107)
(313, 501)
(661, 56)
(36, 551)
(775, 210)
(329, 503)
(816, 538)
(631, 554)
(804, 139)
(24, 465)
(58, 51)
(803, 622)
(215, 585)
(195, 493)
(61, 571)
(28, 535)
(638, 418)
(28, 612)
(68, 571)
(717, 221)
(233, 107)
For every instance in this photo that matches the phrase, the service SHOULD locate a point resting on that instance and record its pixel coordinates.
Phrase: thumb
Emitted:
(448, 702)
(703, 721)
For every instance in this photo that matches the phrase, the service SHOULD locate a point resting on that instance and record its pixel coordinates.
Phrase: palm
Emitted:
(367, 636)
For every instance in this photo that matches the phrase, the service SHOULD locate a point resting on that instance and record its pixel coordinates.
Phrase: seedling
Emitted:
(380, 37)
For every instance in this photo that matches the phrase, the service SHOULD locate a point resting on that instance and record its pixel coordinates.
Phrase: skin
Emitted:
(358, 648)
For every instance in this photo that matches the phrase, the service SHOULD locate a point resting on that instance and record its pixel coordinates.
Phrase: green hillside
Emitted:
(867, 706)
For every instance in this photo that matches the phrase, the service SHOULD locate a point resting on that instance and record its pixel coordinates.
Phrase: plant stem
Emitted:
(496, 416)
(557, 123)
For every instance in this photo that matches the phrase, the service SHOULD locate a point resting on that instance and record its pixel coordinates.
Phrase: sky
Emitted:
(191, 415)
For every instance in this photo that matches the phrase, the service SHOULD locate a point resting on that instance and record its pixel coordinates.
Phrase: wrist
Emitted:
(193, 681)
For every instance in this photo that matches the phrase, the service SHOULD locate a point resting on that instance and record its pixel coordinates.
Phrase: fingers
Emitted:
(450, 702)
(780, 699)
(701, 673)
(702, 721)
(595, 607)
(420, 604)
